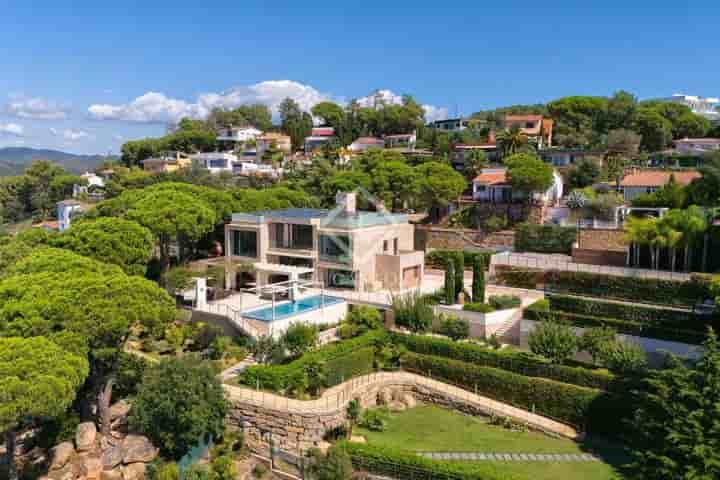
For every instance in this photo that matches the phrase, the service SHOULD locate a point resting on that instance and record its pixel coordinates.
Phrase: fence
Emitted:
(538, 261)
(336, 398)
(400, 471)
(236, 318)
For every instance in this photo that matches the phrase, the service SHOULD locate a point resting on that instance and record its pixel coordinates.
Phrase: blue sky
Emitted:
(87, 76)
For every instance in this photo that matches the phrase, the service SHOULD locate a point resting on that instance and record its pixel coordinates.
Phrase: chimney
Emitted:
(491, 136)
(348, 202)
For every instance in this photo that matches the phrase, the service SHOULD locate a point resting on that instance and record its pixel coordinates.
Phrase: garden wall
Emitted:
(483, 325)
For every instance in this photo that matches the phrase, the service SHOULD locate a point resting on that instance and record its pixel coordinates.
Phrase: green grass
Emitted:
(433, 429)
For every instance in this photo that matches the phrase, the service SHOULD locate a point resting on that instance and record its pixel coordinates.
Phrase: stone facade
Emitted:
(601, 247)
(427, 238)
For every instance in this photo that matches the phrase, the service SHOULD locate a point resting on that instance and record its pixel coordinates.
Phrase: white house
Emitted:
(66, 210)
(215, 162)
(93, 184)
(705, 106)
(363, 144)
(493, 186)
(690, 146)
(237, 134)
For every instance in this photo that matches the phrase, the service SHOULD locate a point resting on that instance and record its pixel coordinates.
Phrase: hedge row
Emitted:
(385, 461)
(523, 363)
(589, 409)
(627, 327)
(544, 238)
(632, 312)
(438, 258)
(644, 290)
(349, 357)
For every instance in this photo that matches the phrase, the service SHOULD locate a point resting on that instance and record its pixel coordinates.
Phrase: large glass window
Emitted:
(302, 236)
(245, 243)
(340, 279)
(336, 248)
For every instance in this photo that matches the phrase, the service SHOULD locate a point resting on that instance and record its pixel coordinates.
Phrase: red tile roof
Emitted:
(658, 178)
(523, 118)
(492, 178)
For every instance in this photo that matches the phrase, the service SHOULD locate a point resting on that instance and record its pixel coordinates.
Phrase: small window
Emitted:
(385, 245)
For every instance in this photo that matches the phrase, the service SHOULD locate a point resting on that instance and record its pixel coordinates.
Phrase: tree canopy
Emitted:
(528, 174)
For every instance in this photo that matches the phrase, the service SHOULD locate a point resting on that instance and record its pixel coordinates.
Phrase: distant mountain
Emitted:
(14, 160)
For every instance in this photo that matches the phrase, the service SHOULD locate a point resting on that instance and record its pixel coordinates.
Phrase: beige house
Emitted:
(167, 163)
(339, 248)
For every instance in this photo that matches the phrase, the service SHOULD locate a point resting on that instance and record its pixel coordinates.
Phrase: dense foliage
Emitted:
(544, 238)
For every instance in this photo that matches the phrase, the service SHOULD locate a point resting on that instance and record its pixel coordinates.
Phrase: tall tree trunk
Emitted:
(706, 241)
(10, 444)
(103, 399)
(673, 253)
(688, 257)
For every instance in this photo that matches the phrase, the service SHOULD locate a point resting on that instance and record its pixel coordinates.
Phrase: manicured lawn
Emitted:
(433, 429)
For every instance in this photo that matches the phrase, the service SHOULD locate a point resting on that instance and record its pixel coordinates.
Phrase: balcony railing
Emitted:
(341, 258)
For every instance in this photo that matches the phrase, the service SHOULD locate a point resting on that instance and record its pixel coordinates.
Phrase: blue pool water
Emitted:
(290, 309)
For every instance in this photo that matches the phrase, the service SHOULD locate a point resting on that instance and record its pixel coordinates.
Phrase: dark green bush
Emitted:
(439, 258)
(385, 461)
(625, 311)
(504, 302)
(627, 327)
(280, 378)
(453, 327)
(643, 290)
(544, 238)
(478, 307)
(589, 409)
(357, 362)
(523, 363)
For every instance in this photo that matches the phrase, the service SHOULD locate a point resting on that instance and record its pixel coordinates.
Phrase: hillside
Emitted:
(14, 160)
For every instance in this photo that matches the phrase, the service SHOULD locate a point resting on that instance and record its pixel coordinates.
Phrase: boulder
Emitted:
(112, 457)
(408, 400)
(119, 410)
(137, 448)
(61, 454)
(85, 436)
(134, 471)
(111, 475)
(384, 396)
(91, 468)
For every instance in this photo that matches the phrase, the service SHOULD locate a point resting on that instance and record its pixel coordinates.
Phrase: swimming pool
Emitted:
(290, 309)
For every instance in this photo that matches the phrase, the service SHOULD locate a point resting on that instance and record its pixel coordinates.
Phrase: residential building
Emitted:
(319, 136)
(705, 106)
(492, 186)
(451, 124)
(640, 182)
(693, 146)
(567, 157)
(93, 185)
(340, 248)
(166, 163)
(233, 135)
(66, 211)
(215, 162)
(403, 140)
(461, 152)
(538, 129)
(363, 144)
(281, 141)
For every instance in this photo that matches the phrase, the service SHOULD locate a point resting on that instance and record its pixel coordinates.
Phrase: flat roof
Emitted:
(328, 218)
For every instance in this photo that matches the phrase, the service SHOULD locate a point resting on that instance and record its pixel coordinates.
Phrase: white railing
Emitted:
(235, 316)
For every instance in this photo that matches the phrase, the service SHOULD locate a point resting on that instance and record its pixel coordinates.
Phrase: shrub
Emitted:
(335, 465)
(375, 419)
(622, 357)
(223, 468)
(197, 471)
(219, 347)
(394, 463)
(541, 306)
(358, 362)
(413, 311)
(300, 338)
(205, 335)
(365, 318)
(594, 339)
(554, 341)
(523, 363)
(495, 224)
(454, 327)
(644, 290)
(348, 330)
(439, 258)
(580, 406)
(168, 471)
(179, 401)
(260, 470)
(544, 238)
(504, 302)
(131, 369)
(478, 307)
(625, 311)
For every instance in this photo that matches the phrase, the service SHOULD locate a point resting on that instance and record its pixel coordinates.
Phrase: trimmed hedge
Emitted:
(627, 327)
(439, 258)
(382, 460)
(623, 311)
(644, 290)
(544, 238)
(589, 409)
(523, 363)
(478, 307)
(347, 357)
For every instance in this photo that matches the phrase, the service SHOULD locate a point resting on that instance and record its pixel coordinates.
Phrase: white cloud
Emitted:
(388, 97)
(37, 108)
(156, 107)
(13, 129)
(70, 134)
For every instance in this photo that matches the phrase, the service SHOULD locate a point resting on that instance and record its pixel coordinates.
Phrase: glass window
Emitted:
(340, 279)
(336, 248)
(302, 237)
(245, 243)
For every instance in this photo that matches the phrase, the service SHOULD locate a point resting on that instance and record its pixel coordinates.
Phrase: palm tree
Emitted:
(691, 223)
(639, 232)
(511, 140)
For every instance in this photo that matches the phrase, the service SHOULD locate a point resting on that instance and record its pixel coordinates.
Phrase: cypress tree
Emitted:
(478, 282)
(459, 273)
(450, 282)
